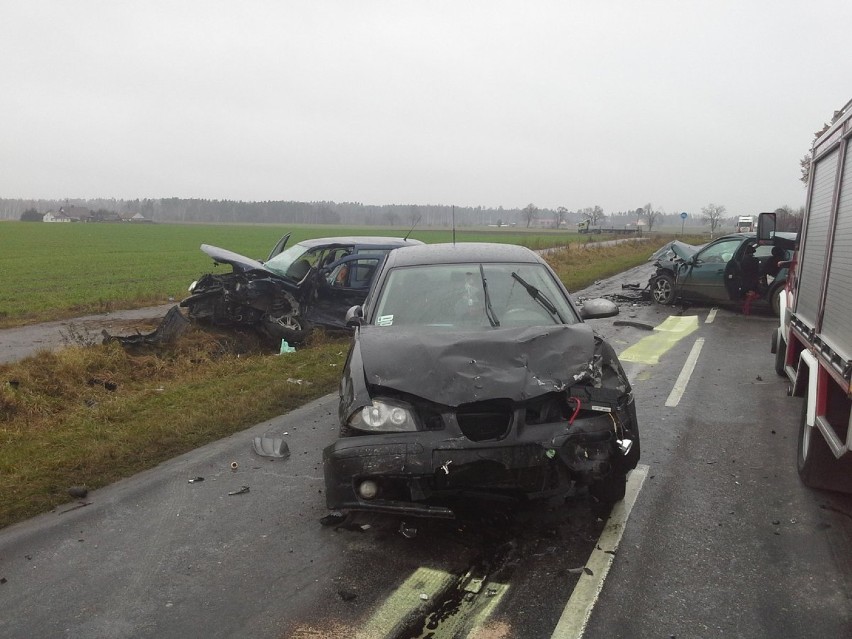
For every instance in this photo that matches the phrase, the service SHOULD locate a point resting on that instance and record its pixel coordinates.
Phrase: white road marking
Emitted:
(579, 608)
(685, 374)
(711, 316)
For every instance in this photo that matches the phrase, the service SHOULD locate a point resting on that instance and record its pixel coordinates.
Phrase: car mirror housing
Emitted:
(598, 308)
(354, 316)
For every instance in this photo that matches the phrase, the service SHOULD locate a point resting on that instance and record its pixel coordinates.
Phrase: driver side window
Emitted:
(719, 253)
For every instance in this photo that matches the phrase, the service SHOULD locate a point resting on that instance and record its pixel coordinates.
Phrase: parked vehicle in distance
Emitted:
(813, 342)
(309, 284)
(472, 373)
(728, 270)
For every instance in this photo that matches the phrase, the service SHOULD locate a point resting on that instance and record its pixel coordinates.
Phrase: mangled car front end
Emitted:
(520, 418)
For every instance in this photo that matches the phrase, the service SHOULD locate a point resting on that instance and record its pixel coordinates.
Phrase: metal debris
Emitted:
(241, 491)
(409, 532)
(195, 480)
(172, 326)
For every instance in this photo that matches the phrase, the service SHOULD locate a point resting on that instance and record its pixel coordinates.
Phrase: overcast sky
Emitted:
(571, 103)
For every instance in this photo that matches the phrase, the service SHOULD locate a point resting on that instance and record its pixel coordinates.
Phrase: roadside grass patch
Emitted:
(89, 416)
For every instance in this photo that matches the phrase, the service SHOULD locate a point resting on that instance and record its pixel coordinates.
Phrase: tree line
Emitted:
(191, 210)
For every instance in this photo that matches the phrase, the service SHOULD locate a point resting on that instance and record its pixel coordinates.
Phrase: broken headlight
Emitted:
(384, 416)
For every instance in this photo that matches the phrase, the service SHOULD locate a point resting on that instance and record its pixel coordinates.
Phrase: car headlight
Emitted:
(384, 417)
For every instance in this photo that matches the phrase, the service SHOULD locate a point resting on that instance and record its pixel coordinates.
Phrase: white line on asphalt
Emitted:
(711, 316)
(685, 374)
(577, 611)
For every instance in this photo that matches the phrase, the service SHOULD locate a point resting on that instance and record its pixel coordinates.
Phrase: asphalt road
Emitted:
(722, 541)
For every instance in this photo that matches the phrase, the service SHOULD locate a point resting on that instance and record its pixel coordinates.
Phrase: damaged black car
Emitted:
(309, 284)
(472, 375)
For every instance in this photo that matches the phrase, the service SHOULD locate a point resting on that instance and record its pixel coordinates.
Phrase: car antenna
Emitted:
(412, 227)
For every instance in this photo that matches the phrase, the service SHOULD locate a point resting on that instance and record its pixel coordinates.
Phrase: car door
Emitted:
(279, 246)
(340, 286)
(706, 276)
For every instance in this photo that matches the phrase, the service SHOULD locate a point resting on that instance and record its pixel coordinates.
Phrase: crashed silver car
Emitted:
(297, 288)
(472, 374)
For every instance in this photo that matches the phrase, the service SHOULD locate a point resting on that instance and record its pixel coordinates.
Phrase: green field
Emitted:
(54, 271)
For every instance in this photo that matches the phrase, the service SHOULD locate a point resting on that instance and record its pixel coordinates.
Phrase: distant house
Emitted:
(140, 219)
(50, 216)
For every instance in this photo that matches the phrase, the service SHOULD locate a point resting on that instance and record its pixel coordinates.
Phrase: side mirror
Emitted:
(354, 316)
(598, 308)
(766, 224)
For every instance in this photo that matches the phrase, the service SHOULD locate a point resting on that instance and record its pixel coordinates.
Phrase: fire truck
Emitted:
(813, 343)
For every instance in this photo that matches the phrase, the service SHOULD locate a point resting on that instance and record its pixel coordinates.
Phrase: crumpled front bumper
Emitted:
(416, 473)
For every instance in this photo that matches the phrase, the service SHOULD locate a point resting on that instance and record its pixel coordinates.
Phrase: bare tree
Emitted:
(530, 213)
(805, 162)
(788, 219)
(594, 214)
(713, 215)
(561, 215)
(648, 214)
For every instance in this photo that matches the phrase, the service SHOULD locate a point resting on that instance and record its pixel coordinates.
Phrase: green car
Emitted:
(732, 269)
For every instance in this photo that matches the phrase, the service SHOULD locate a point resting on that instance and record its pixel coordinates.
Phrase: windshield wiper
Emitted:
(489, 311)
(539, 297)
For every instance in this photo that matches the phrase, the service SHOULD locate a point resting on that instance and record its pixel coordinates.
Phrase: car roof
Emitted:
(461, 253)
(361, 240)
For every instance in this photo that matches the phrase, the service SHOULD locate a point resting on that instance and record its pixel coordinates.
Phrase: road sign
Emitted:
(683, 215)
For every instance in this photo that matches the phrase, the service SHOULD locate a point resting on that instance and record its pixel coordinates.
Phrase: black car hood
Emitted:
(454, 367)
(240, 263)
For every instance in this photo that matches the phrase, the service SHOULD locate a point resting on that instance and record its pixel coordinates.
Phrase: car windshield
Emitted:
(454, 295)
(293, 262)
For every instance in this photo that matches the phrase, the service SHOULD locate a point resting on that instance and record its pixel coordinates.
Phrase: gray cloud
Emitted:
(495, 103)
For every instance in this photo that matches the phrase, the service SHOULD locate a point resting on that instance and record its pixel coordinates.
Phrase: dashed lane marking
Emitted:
(711, 316)
(685, 374)
(579, 608)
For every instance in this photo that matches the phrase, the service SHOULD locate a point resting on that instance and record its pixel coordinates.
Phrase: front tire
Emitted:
(288, 327)
(663, 289)
(775, 299)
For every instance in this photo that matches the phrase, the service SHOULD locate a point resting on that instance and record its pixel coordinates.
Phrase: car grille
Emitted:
(482, 421)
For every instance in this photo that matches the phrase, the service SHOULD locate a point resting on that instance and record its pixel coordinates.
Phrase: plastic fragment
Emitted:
(332, 518)
(195, 480)
(286, 348)
(266, 446)
(409, 532)
(241, 491)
